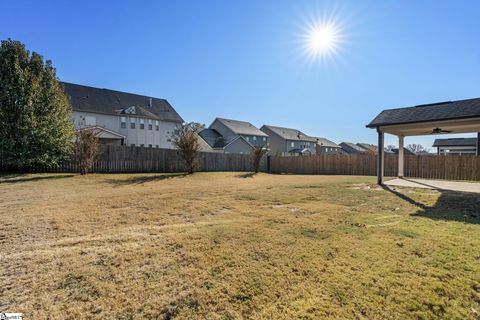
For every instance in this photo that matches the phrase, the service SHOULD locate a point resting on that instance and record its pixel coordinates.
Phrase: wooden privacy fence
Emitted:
(141, 159)
(429, 166)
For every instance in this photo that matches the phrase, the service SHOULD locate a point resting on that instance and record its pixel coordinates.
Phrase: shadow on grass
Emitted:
(450, 206)
(246, 175)
(19, 177)
(146, 178)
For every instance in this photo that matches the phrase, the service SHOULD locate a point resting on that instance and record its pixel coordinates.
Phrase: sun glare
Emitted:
(322, 40)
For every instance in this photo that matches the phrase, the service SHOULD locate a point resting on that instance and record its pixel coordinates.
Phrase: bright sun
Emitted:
(322, 40)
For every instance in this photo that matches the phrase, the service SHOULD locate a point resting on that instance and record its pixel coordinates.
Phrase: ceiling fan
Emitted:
(438, 131)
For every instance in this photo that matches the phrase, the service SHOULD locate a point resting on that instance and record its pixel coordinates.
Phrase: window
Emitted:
(247, 138)
(264, 139)
(123, 122)
(150, 125)
(292, 144)
(149, 145)
(254, 138)
(142, 124)
(132, 124)
(90, 121)
(157, 126)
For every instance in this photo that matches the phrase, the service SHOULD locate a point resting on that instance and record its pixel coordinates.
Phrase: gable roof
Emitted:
(241, 127)
(368, 146)
(106, 101)
(290, 134)
(449, 110)
(455, 142)
(216, 140)
(327, 143)
(349, 146)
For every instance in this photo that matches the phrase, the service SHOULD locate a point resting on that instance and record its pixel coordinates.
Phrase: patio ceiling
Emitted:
(433, 127)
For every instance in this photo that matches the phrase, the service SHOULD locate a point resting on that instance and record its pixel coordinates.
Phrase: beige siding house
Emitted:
(123, 118)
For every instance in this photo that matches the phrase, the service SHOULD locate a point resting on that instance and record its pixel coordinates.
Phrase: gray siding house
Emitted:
(287, 141)
(456, 146)
(123, 118)
(325, 146)
(352, 148)
(229, 129)
(217, 143)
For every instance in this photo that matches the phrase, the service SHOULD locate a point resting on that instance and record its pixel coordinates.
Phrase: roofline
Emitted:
(124, 115)
(373, 126)
(261, 134)
(131, 93)
(103, 129)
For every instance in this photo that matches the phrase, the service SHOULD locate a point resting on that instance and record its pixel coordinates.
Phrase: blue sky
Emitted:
(243, 59)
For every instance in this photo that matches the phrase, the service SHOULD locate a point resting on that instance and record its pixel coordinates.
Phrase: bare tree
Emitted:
(257, 155)
(86, 149)
(416, 148)
(185, 139)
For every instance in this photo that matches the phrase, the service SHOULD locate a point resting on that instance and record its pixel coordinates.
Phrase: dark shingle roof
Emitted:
(211, 137)
(90, 99)
(241, 127)
(460, 109)
(352, 148)
(368, 146)
(327, 143)
(290, 134)
(455, 142)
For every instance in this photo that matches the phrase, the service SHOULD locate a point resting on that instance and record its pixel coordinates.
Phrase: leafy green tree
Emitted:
(35, 115)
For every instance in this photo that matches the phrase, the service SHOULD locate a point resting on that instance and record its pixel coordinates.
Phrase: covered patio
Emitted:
(449, 117)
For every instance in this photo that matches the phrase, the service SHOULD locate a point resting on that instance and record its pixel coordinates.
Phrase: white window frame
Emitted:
(133, 122)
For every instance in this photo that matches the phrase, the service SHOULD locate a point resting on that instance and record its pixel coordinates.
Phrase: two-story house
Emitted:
(233, 136)
(123, 118)
(228, 128)
(284, 141)
(325, 146)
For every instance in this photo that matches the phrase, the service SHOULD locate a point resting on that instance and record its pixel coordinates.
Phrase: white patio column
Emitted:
(478, 144)
(381, 158)
(400, 156)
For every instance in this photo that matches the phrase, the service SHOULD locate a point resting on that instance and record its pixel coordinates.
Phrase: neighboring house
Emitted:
(456, 146)
(217, 143)
(352, 148)
(405, 152)
(325, 146)
(284, 141)
(230, 129)
(123, 118)
(368, 146)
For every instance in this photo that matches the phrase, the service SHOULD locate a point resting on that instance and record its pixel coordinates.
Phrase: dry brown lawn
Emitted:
(233, 246)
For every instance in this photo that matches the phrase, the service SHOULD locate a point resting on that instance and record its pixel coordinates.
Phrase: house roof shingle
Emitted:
(327, 143)
(455, 142)
(106, 101)
(469, 108)
(290, 134)
(242, 127)
(349, 145)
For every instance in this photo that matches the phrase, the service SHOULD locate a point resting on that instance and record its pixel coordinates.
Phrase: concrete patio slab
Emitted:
(435, 184)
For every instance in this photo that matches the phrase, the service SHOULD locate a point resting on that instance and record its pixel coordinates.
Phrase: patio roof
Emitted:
(444, 117)
(460, 116)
